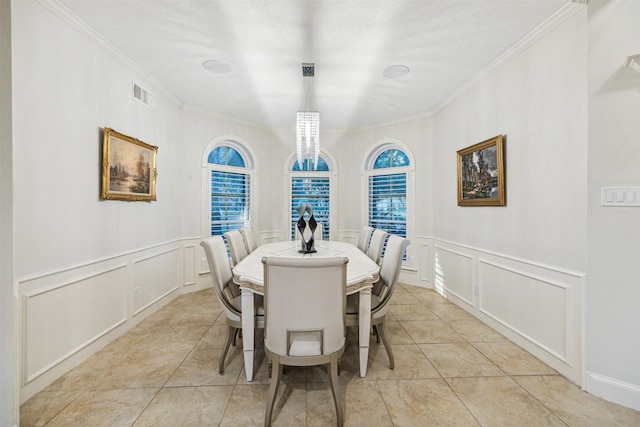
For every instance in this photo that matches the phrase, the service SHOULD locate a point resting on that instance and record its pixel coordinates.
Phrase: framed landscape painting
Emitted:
(128, 168)
(481, 174)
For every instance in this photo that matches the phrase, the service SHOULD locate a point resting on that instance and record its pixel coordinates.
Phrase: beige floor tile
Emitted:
(513, 360)
(321, 409)
(449, 311)
(201, 368)
(426, 296)
(459, 360)
(427, 402)
(214, 338)
(186, 406)
(574, 406)
(400, 296)
(395, 333)
(42, 407)
(247, 405)
(431, 332)
(410, 363)
(473, 330)
(105, 408)
(159, 337)
(142, 369)
(364, 405)
(501, 401)
(411, 312)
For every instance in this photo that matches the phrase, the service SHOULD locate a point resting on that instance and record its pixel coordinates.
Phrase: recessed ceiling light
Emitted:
(217, 67)
(395, 71)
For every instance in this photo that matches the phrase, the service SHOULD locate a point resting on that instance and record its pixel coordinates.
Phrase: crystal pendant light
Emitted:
(307, 124)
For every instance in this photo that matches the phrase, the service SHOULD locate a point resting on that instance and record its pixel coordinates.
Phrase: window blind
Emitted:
(388, 203)
(230, 201)
(314, 191)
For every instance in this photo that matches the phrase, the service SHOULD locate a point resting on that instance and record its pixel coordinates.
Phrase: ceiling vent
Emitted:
(143, 96)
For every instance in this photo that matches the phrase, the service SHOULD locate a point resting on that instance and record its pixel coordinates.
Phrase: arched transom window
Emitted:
(230, 188)
(312, 187)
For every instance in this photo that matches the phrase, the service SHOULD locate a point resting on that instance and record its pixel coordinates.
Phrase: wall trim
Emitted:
(614, 390)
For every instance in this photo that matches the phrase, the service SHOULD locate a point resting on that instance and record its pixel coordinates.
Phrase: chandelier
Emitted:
(307, 124)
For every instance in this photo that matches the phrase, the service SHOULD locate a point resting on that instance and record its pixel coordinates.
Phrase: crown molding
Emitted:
(564, 13)
(68, 17)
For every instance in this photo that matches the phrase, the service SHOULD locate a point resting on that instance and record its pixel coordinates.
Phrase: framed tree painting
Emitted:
(128, 168)
(481, 176)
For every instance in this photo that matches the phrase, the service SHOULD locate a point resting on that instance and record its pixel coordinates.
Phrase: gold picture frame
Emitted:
(481, 175)
(128, 168)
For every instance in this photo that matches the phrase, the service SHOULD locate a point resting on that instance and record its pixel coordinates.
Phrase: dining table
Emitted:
(362, 273)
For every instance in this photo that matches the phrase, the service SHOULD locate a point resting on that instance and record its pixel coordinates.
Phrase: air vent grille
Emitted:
(143, 96)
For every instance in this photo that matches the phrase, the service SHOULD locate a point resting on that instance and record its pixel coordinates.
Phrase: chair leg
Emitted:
(333, 381)
(237, 332)
(383, 334)
(273, 390)
(376, 333)
(231, 331)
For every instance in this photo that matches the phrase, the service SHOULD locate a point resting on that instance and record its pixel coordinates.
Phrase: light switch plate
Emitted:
(620, 196)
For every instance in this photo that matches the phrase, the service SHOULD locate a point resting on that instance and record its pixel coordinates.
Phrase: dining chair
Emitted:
(236, 246)
(374, 251)
(382, 291)
(249, 239)
(228, 292)
(363, 238)
(304, 318)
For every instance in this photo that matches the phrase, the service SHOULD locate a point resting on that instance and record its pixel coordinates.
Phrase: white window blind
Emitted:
(388, 203)
(230, 201)
(314, 191)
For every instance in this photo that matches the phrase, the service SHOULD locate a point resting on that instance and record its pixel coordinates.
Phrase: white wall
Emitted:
(613, 295)
(521, 267)
(8, 401)
(86, 269)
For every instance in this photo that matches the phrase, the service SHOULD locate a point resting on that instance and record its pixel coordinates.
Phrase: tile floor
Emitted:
(450, 370)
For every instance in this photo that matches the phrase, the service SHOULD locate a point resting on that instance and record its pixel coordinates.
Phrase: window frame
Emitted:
(333, 199)
(368, 171)
(250, 169)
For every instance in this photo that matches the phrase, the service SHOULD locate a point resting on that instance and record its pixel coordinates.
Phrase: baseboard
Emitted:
(613, 390)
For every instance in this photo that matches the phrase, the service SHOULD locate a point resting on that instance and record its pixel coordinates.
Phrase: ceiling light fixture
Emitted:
(307, 124)
(395, 71)
(218, 68)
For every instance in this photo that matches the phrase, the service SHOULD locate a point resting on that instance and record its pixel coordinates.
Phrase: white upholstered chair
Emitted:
(236, 246)
(227, 291)
(304, 318)
(249, 239)
(375, 245)
(382, 291)
(363, 238)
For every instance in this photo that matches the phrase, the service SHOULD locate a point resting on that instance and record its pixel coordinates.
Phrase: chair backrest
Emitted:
(302, 295)
(375, 245)
(389, 271)
(221, 274)
(363, 238)
(236, 246)
(249, 239)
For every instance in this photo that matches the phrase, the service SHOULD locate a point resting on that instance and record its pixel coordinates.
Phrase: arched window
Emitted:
(315, 188)
(387, 172)
(230, 178)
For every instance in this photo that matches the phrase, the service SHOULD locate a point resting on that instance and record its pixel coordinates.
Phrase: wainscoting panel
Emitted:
(66, 315)
(154, 277)
(534, 307)
(56, 318)
(537, 306)
(454, 273)
(425, 255)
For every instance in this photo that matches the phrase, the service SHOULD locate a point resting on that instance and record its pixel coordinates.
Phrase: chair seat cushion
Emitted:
(352, 303)
(237, 303)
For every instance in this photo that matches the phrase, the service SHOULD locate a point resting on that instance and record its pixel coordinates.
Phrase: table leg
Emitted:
(248, 332)
(364, 327)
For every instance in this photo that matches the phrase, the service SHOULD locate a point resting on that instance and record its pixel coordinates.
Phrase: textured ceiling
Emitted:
(444, 43)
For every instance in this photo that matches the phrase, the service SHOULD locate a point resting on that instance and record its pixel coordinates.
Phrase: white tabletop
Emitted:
(361, 270)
